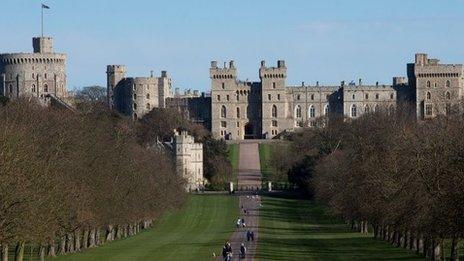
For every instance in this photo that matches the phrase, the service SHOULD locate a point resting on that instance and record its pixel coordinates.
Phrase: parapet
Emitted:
(216, 72)
(115, 69)
(398, 80)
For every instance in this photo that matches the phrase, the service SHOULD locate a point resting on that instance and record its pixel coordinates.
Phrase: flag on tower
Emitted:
(45, 6)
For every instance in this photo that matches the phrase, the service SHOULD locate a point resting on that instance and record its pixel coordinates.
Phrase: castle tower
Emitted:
(189, 160)
(224, 99)
(165, 89)
(42, 44)
(114, 75)
(275, 115)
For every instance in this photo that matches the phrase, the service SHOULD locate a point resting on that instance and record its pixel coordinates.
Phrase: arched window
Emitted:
(429, 96)
(298, 111)
(376, 96)
(367, 96)
(238, 112)
(353, 96)
(448, 84)
(428, 84)
(135, 106)
(274, 111)
(33, 88)
(45, 88)
(392, 96)
(448, 95)
(135, 96)
(11, 88)
(367, 109)
(326, 110)
(312, 97)
(148, 106)
(148, 96)
(223, 112)
(312, 112)
(354, 112)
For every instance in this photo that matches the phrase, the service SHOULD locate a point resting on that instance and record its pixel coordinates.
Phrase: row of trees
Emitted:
(403, 178)
(72, 181)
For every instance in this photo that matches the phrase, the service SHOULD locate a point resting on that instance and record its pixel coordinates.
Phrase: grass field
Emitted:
(193, 233)
(265, 151)
(292, 229)
(233, 158)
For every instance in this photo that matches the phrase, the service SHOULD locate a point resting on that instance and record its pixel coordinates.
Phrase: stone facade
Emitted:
(136, 96)
(266, 108)
(40, 74)
(438, 86)
(189, 160)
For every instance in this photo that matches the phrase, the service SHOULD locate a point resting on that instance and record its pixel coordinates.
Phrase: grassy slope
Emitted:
(264, 158)
(233, 158)
(292, 229)
(191, 234)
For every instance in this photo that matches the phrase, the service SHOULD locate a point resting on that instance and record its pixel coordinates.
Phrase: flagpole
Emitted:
(41, 8)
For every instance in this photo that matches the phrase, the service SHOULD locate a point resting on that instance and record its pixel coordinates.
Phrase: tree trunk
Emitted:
(437, 250)
(109, 233)
(63, 245)
(420, 243)
(51, 249)
(412, 241)
(85, 239)
(125, 231)
(19, 251)
(92, 241)
(97, 237)
(118, 232)
(77, 240)
(70, 243)
(454, 249)
(5, 252)
(42, 253)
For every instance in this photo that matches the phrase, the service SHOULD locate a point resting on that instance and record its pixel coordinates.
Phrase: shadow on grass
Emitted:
(292, 228)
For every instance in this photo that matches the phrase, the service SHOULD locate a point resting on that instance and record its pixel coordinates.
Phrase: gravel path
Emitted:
(249, 179)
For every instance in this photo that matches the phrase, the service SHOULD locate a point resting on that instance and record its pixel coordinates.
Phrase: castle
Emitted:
(135, 96)
(237, 110)
(40, 74)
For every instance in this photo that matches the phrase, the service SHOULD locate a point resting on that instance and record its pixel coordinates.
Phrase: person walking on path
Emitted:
(243, 250)
(227, 252)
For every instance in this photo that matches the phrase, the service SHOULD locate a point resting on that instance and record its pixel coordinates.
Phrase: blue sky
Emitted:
(321, 40)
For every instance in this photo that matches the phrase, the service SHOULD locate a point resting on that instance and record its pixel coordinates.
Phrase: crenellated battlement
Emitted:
(225, 72)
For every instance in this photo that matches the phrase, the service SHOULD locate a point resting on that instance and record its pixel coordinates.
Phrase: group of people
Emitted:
(250, 235)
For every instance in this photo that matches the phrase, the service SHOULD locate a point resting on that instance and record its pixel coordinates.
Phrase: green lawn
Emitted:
(233, 158)
(193, 233)
(265, 151)
(292, 229)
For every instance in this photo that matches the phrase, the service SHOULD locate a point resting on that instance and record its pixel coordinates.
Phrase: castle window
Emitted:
(269, 96)
(353, 96)
(135, 106)
(33, 88)
(278, 97)
(148, 106)
(428, 84)
(219, 97)
(11, 88)
(238, 124)
(392, 96)
(312, 97)
(238, 98)
(45, 76)
(312, 111)
(45, 88)
(33, 76)
(376, 96)
(227, 97)
(354, 111)
(429, 96)
(223, 112)
(148, 96)
(447, 109)
(428, 109)
(274, 123)
(448, 84)
(326, 110)
(223, 85)
(367, 96)
(273, 85)
(135, 96)
(435, 84)
(274, 111)
(448, 95)
(298, 111)
(223, 124)
(238, 112)
(298, 97)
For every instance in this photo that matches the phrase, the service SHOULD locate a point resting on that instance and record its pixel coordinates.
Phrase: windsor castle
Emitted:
(236, 109)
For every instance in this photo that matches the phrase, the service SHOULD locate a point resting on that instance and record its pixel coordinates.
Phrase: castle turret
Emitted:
(42, 44)
(114, 75)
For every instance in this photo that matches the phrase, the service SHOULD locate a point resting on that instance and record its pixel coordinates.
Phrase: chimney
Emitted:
(280, 64)
(164, 74)
(360, 82)
(231, 64)
(263, 63)
(213, 64)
